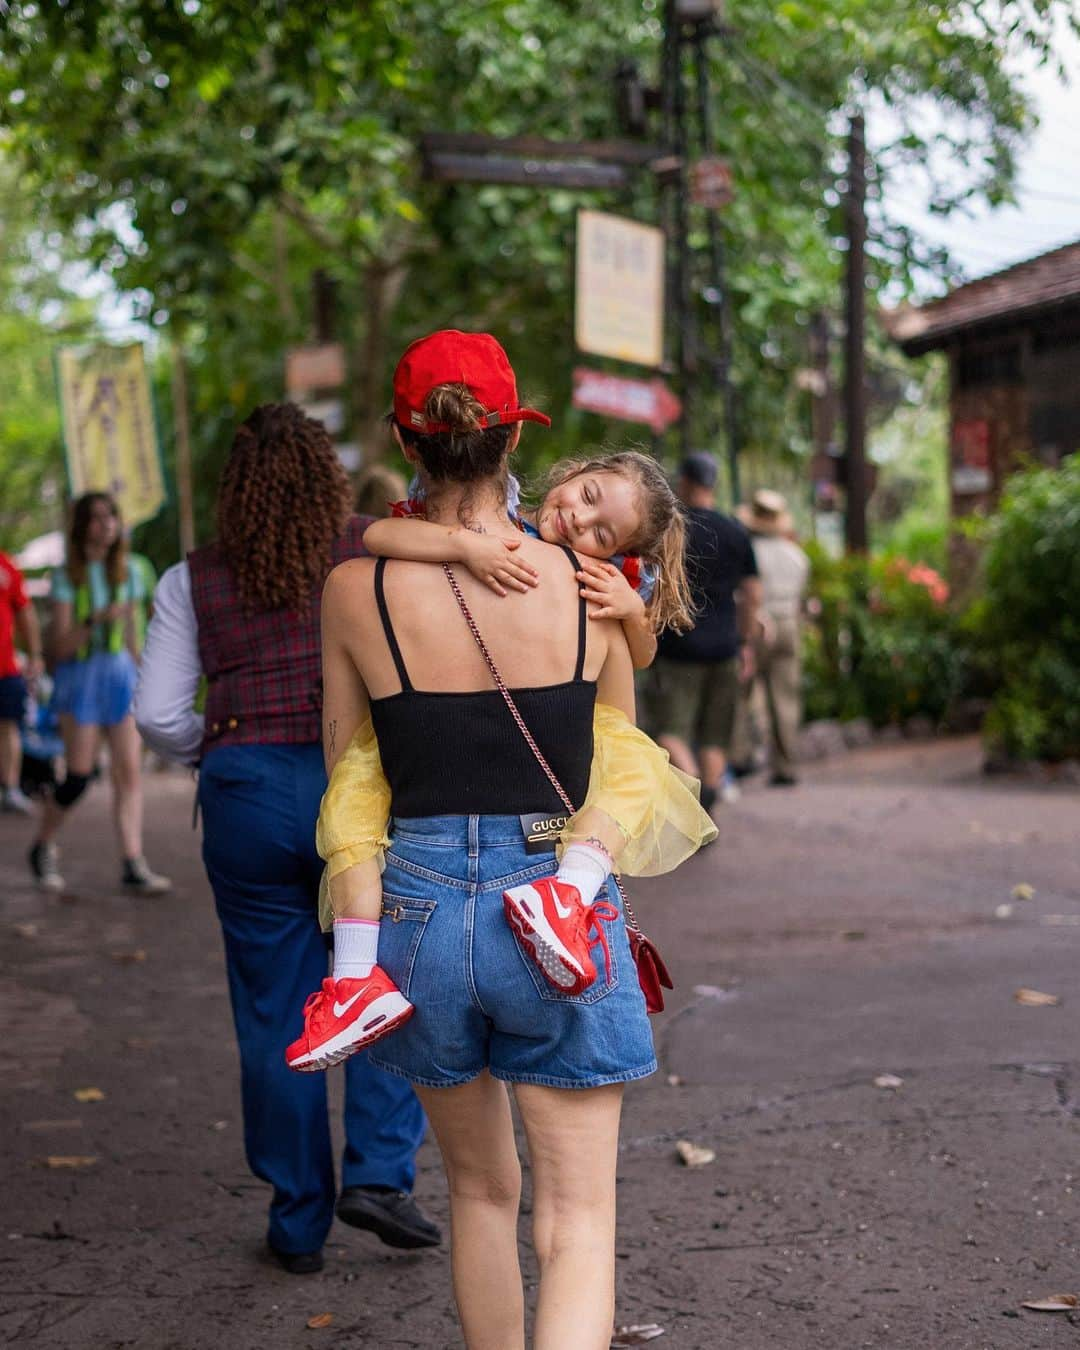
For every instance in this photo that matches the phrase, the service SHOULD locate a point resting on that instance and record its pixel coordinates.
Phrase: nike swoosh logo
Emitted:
(560, 911)
(340, 1009)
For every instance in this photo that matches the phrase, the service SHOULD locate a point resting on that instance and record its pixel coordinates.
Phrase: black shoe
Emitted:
(747, 769)
(298, 1263)
(708, 798)
(393, 1216)
(783, 780)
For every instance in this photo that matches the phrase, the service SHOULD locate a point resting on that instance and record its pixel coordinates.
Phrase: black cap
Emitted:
(699, 468)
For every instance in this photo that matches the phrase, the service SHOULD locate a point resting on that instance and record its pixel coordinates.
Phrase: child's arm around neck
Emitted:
(489, 557)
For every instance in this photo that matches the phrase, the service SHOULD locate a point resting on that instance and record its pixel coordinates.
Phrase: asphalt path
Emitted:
(896, 1138)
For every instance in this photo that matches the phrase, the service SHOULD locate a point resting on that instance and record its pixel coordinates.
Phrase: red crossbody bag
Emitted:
(651, 972)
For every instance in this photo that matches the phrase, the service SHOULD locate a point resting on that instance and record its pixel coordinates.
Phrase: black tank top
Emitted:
(462, 753)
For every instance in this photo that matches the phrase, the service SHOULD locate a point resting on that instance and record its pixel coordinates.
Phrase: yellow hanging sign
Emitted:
(110, 437)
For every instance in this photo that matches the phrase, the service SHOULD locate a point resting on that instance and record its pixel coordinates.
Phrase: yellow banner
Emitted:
(110, 436)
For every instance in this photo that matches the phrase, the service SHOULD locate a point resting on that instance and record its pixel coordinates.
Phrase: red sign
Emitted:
(649, 401)
(711, 183)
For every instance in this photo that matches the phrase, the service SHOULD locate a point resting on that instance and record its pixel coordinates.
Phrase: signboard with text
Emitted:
(619, 293)
(648, 401)
(110, 437)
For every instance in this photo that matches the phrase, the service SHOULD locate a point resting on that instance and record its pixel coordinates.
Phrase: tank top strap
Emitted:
(388, 627)
(579, 669)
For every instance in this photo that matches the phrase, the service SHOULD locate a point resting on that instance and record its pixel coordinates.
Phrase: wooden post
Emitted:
(182, 440)
(855, 532)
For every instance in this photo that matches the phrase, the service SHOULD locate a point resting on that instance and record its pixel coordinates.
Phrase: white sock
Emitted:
(586, 868)
(356, 948)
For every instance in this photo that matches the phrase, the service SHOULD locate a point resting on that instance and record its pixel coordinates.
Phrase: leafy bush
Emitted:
(882, 644)
(1027, 623)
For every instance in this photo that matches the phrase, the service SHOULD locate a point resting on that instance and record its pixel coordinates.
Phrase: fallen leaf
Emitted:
(1053, 1303)
(636, 1335)
(27, 930)
(1003, 912)
(129, 958)
(319, 1321)
(73, 1161)
(888, 1080)
(694, 1155)
(1034, 998)
(1023, 891)
(219, 1125)
(90, 1094)
(140, 1043)
(673, 1080)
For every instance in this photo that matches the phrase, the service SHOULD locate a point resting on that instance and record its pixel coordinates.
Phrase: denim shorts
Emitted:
(98, 691)
(481, 1002)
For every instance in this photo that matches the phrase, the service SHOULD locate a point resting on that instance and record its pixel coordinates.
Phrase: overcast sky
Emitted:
(1047, 213)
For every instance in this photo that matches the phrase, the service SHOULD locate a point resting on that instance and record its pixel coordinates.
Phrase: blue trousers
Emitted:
(259, 806)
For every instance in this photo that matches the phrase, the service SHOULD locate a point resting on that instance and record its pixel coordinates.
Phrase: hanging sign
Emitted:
(110, 437)
(619, 294)
(711, 183)
(648, 401)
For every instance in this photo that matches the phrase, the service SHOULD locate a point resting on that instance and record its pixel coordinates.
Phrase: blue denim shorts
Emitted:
(481, 1002)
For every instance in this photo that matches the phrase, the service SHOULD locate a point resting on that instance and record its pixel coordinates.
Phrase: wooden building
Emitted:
(1013, 345)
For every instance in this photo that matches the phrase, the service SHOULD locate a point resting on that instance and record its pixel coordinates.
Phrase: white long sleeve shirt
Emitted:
(170, 670)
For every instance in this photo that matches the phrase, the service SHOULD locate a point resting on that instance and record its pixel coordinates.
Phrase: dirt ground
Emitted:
(835, 933)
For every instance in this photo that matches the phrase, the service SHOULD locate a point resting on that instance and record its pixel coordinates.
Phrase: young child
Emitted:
(617, 512)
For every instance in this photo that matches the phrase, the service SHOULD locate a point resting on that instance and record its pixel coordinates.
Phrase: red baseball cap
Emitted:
(452, 357)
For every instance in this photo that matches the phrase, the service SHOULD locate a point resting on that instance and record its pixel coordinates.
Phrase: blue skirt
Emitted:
(95, 692)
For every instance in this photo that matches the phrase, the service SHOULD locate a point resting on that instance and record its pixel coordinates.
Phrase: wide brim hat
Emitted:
(766, 513)
(449, 356)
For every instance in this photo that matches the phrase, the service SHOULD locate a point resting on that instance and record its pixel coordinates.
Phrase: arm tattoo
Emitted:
(332, 732)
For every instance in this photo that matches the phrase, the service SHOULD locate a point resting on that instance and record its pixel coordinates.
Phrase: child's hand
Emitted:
(490, 558)
(605, 586)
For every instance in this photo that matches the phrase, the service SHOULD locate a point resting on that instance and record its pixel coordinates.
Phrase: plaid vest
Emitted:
(263, 670)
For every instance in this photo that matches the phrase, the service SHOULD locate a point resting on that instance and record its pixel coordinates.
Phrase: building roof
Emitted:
(1022, 290)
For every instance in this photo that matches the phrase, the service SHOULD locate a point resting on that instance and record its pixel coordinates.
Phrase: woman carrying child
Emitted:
(400, 663)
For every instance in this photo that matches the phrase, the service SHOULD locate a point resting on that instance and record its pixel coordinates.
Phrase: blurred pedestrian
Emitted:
(17, 618)
(243, 614)
(696, 676)
(378, 487)
(784, 569)
(93, 643)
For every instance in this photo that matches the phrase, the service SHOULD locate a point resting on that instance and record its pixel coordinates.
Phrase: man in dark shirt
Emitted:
(697, 674)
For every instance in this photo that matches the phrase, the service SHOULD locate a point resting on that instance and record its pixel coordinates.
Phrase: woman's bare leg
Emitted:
(475, 1131)
(125, 756)
(80, 750)
(573, 1142)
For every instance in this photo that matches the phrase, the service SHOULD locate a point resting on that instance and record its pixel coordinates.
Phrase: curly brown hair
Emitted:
(284, 499)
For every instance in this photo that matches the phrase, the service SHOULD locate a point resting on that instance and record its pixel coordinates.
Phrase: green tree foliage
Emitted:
(208, 154)
(35, 313)
(1028, 622)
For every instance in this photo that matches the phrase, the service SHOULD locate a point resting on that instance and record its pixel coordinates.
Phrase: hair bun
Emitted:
(454, 406)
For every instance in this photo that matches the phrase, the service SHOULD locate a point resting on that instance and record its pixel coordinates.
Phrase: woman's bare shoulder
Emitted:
(348, 585)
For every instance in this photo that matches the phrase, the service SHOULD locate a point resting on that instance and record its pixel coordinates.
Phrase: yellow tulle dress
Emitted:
(654, 805)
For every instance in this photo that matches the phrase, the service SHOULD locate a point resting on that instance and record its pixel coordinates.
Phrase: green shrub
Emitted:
(1027, 624)
(882, 643)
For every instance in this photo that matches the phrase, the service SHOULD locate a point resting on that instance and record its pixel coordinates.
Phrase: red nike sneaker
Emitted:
(344, 1016)
(557, 931)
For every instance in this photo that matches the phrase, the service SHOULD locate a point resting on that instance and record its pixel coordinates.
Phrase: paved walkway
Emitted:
(835, 933)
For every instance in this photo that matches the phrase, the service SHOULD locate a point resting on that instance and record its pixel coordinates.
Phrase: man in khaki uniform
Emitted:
(783, 568)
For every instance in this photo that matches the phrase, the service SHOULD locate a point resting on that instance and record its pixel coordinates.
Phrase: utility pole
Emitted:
(855, 534)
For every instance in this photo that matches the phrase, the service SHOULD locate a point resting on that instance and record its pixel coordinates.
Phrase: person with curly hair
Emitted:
(242, 614)
(94, 642)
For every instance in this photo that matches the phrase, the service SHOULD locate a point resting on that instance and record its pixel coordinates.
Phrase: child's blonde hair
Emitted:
(661, 537)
